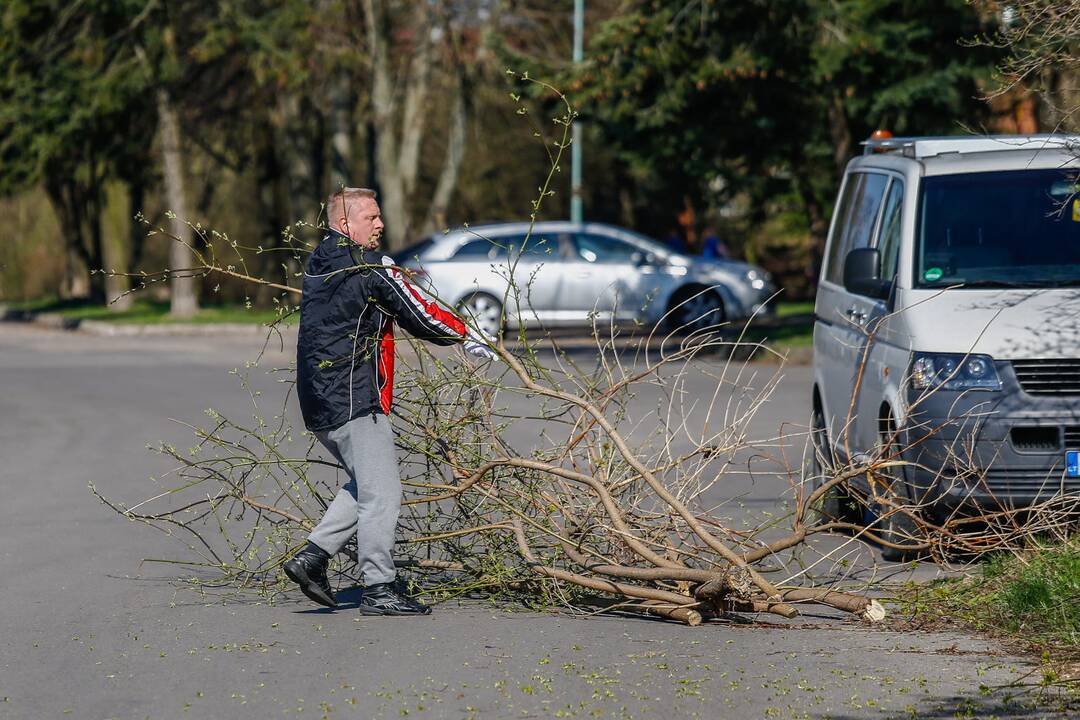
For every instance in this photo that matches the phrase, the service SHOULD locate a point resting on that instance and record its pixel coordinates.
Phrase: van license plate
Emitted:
(1072, 463)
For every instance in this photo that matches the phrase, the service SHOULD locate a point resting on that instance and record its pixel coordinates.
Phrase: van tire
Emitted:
(836, 503)
(899, 528)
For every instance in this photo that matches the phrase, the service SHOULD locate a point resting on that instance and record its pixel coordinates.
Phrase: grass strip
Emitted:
(1030, 600)
(149, 312)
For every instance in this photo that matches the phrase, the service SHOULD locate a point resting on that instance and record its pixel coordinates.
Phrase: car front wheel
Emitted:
(695, 308)
(484, 312)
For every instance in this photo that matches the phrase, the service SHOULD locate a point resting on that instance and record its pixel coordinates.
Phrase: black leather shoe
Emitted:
(389, 599)
(307, 569)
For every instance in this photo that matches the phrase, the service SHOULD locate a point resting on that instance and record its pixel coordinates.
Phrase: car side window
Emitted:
(855, 220)
(537, 247)
(889, 236)
(602, 249)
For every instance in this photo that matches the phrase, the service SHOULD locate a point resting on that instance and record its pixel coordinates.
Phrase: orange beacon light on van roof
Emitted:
(880, 136)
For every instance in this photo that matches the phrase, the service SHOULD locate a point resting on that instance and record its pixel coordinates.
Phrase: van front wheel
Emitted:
(836, 504)
(899, 526)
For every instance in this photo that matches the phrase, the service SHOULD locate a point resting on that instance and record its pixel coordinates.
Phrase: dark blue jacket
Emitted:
(345, 352)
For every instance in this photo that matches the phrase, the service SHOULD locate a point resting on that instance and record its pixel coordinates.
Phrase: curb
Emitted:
(108, 329)
(101, 328)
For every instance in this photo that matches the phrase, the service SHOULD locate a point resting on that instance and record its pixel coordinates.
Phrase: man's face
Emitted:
(363, 222)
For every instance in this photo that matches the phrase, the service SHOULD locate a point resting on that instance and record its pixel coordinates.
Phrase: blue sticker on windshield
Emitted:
(1072, 463)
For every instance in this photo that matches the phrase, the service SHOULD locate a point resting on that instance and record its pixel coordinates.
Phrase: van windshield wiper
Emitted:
(1001, 284)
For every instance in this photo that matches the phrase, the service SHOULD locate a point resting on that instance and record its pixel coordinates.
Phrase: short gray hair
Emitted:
(336, 200)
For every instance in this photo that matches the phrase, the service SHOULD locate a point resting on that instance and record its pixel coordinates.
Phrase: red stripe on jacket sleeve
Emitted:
(431, 309)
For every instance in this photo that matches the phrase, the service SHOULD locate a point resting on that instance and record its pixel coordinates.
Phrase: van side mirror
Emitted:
(862, 274)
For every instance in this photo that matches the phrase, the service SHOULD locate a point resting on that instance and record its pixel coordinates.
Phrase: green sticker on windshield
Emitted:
(932, 274)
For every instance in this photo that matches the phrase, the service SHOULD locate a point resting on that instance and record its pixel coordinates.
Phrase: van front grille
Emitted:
(1048, 377)
(1040, 482)
(1072, 437)
(1036, 439)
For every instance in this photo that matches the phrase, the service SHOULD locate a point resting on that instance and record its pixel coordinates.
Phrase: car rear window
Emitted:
(539, 248)
(416, 250)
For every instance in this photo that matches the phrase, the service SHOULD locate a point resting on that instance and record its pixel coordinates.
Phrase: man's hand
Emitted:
(479, 343)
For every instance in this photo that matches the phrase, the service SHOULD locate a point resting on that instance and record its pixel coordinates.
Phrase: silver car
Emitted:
(566, 274)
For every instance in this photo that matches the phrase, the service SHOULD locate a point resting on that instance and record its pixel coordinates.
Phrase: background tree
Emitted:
(765, 101)
(737, 113)
(71, 118)
(1041, 39)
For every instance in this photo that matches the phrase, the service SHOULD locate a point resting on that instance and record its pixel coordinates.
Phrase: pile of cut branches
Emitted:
(606, 508)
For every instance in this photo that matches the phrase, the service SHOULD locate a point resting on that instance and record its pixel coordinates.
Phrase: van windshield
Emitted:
(999, 229)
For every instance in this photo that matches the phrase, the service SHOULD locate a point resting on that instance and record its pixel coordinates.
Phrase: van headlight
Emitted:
(954, 371)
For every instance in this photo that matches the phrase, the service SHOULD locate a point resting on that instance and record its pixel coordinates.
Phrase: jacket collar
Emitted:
(342, 243)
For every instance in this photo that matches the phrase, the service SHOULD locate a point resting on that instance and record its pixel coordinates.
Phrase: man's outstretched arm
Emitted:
(419, 314)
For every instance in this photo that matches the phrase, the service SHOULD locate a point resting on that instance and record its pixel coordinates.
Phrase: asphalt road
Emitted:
(88, 631)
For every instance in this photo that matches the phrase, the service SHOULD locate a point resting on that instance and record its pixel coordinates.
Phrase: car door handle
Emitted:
(855, 315)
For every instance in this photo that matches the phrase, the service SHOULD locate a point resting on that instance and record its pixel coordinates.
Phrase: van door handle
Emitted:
(856, 315)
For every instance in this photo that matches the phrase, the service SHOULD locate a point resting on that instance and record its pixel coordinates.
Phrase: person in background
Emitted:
(674, 241)
(712, 247)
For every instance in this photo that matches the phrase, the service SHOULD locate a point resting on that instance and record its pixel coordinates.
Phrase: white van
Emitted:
(947, 321)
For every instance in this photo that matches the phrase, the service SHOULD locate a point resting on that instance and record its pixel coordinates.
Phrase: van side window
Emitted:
(855, 220)
(889, 235)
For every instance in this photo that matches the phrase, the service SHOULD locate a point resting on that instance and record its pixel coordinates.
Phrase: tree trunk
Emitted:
(114, 251)
(396, 166)
(341, 105)
(299, 144)
(414, 112)
(455, 154)
(136, 229)
(391, 184)
(76, 216)
(184, 301)
(818, 223)
(840, 131)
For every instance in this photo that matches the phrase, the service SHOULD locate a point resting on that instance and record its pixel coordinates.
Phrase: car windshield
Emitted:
(999, 229)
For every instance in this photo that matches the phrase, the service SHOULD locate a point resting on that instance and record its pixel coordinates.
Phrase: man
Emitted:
(352, 297)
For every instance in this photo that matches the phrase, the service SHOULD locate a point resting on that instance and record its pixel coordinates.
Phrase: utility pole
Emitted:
(575, 129)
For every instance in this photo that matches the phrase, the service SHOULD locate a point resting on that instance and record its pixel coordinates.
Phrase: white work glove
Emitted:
(479, 343)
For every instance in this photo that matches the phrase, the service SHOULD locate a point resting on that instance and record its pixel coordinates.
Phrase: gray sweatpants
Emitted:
(368, 505)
